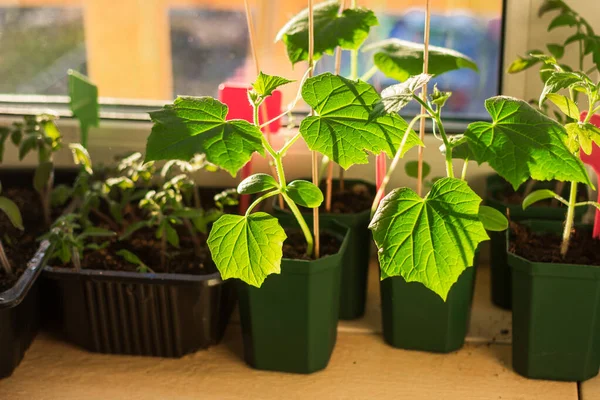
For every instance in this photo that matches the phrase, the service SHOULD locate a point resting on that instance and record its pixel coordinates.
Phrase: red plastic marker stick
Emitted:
(235, 96)
(380, 169)
(593, 160)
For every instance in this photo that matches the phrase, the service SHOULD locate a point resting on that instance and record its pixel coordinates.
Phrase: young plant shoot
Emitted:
(11, 210)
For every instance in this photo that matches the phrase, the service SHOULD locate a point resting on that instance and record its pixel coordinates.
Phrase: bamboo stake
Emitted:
(315, 164)
(263, 110)
(424, 97)
(329, 180)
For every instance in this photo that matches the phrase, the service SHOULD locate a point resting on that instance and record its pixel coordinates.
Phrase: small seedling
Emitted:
(11, 210)
(135, 260)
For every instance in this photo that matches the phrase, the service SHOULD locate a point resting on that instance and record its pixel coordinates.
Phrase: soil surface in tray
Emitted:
(294, 246)
(21, 246)
(144, 244)
(545, 247)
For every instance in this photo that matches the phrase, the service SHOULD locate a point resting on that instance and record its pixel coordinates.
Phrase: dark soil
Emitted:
(147, 248)
(545, 247)
(294, 246)
(20, 246)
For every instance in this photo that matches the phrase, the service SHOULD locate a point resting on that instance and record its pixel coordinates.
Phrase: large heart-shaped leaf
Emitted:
(348, 30)
(521, 142)
(344, 129)
(399, 59)
(430, 240)
(247, 247)
(194, 125)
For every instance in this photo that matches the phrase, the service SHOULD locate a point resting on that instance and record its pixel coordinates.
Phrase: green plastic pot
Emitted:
(355, 269)
(289, 324)
(501, 280)
(415, 318)
(556, 310)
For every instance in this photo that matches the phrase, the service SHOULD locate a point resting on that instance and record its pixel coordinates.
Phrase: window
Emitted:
(154, 50)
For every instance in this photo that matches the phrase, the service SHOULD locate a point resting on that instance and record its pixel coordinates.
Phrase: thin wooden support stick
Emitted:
(424, 97)
(315, 164)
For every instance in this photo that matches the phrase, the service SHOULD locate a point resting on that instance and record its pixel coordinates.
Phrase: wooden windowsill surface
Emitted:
(362, 367)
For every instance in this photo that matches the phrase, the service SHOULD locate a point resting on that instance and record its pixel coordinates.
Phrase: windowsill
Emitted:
(362, 366)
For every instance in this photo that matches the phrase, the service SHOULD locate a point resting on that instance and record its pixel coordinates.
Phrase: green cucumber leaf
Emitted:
(265, 84)
(411, 169)
(492, 219)
(431, 240)
(565, 104)
(11, 210)
(400, 59)
(343, 128)
(538, 195)
(394, 98)
(348, 30)
(247, 247)
(521, 142)
(194, 125)
(305, 193)
(257, 183)
(582, 136)
(84, 102)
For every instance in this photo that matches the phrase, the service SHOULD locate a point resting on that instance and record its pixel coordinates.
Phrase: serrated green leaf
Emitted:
(42, 175)
(538, 195)
(562, 80)
(12, 211)
(399, 59)
(492, 219)
(81, 157)
(411, 169)
(348, 30)
(521, 64)
(194, 125)
(582, 136)
(343, 129)
(566, 19)
(556, 50)
(84, 102)
(394, 98)
(565, 104)
(521, 142)
(247, 247)
(265, 84)
(305, 193)
(430, 240)
(257, 183)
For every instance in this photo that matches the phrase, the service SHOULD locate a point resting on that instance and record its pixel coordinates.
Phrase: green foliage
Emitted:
(8, 207)
(394, 98)
(521, 142)
(400, 59)
(305, 193)
(194, 125)
(580, 136)
(247, 247)
(411, 169)
(266, 84)
(81, 157)
(564, 104)
(135, 260)
(492, 219)
(343, 128)
(429, 240)
(347, 29)
(539, 195)
(257, 183)
(84, 103)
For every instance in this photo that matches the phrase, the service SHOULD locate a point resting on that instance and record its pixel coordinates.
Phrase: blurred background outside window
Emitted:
(157, 49)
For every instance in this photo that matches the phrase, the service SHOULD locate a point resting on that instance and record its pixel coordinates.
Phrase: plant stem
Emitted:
(289, 144)
(463, 175)
(314, 164)
(195, 241)
(421, 150)
(369, 74)
(75, 259)
(196, 194)
(394, 163)
(564, 247)
(310, 244)
(4, 261)
(260, 199)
